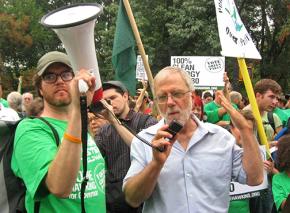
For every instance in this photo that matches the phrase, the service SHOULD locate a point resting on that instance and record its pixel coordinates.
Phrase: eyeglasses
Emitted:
(162, 99)
(51, 78)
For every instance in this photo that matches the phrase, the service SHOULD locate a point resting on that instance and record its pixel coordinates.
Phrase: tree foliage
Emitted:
(268, 23)
(167, 28)
(14, 37)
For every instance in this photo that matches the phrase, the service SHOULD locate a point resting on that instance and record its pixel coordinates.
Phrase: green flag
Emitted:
(124, 56)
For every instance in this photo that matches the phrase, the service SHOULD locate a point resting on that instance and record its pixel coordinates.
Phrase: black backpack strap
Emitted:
(52, 129)
(288, 126)
(36, 207)
(271, 121)
(141, 123)
(37, 203)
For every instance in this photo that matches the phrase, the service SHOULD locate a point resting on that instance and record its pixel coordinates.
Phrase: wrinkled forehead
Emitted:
(168, 77)
(27, 95)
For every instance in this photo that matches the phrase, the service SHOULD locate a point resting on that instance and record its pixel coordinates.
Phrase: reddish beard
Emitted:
(62, 101)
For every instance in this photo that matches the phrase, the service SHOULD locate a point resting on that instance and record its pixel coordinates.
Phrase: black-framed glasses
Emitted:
(51, 78)
(162, 99)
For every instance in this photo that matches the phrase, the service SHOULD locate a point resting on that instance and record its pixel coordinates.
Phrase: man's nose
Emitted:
(170, 100)
(58, 78)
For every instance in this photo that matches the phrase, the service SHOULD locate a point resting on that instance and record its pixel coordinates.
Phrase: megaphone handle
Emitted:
(83, 86)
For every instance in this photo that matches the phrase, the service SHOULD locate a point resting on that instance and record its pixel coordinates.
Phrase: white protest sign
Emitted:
(140, 69)
(234, 37)
(206, 72)
(239, 191)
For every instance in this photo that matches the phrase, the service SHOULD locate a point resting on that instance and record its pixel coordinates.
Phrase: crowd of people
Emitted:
(188, 172)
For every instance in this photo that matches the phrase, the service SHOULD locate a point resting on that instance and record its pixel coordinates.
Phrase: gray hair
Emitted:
(15, 101)
(171, 70)
(235, 95)
(27, 94)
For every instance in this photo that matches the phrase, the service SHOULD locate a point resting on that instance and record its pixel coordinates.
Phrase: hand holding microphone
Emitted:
(164, 140)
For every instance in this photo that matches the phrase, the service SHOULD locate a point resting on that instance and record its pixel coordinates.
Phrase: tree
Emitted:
(167, 28)
(268, 23)
(14, 36)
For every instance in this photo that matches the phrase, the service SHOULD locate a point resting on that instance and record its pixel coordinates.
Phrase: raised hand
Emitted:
(89, 80)
(108, 112)
(237, 118)
(144, 84)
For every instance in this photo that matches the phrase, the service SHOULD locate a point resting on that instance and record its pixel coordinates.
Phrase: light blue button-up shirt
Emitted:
(195, 180)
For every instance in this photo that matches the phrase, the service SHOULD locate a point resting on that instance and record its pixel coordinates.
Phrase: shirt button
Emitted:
(188, 175)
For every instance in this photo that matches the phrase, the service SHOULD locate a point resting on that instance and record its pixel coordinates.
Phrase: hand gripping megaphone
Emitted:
(74, 25)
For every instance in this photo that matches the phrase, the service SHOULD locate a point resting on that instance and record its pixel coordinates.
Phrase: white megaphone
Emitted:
(74, 25)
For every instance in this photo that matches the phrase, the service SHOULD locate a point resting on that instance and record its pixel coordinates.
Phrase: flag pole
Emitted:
(139, 43)
(254, 105)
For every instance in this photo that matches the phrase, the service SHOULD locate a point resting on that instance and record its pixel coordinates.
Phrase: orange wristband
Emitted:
(71, 138)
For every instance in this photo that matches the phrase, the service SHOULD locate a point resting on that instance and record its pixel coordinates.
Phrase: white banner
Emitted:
(140, 69)
(206, 72)
(234, 37)
(239, 191)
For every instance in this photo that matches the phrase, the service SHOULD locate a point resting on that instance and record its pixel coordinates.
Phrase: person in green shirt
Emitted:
(281, 111)
(281, 181)
(266, 92)
(2, 100)
(282, 114)
(217, 114)
(287, 105)
(287, 112)
(53, 175)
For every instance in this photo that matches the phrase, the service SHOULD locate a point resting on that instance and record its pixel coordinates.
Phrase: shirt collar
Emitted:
(129, 116)
(203, 126)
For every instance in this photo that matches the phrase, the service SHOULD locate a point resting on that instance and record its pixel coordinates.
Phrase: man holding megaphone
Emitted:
(53, 174)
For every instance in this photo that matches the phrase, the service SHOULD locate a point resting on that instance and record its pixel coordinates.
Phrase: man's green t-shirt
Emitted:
(282, 114)
(280, 188)
(4, 102)
(211, 111)
(35, 149)
(268, 128)
(287, 112)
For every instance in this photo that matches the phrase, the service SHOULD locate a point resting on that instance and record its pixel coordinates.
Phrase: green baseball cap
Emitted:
(50, 58)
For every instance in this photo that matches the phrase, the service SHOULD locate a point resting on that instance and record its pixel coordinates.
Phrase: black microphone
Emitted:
(174, 128)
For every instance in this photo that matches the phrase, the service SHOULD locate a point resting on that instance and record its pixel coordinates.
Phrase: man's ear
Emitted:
(258, 95)
(192, 95)
(40, 91)
(126, 95)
